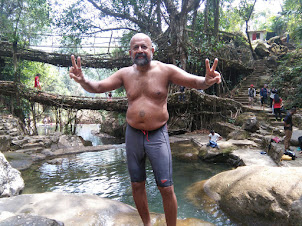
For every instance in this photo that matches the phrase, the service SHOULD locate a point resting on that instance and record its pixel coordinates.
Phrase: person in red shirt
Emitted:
(277, 103)
(37, 81)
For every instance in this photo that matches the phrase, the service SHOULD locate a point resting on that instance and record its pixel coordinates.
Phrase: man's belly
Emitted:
(147, 115)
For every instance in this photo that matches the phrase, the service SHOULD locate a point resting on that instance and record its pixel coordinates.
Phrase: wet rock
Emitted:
(82, 209)
(65, 141)
(11, 182)
(47, 152)
(259, 194)
(29, 220)
(185, 151)
(19, 161)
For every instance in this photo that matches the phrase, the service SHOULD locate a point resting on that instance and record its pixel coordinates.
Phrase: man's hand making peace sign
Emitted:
(212, 76)
(75, 71)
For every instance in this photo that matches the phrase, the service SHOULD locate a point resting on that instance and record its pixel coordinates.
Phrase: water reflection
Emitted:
(83, 130)
(105, 174)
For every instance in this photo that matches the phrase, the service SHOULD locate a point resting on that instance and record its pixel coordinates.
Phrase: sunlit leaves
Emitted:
(22, 19)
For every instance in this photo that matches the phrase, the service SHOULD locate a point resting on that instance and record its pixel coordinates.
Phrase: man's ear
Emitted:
(130, 52)
(152, 50)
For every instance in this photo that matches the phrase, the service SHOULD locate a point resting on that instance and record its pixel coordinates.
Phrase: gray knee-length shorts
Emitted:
(152, 144)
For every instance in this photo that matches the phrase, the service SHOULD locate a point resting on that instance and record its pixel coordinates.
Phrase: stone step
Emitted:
(277, 123)
(32, 145)
(3, 132)
(15, 134)
(30, 150)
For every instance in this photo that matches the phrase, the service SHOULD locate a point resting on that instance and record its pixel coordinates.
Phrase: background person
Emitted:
(288, 128)
(146, 83)
(37, 81)
(263, 95)
(271, 98)
(182, 93)
(213, 139)
(110, 96)
(277, 104)
(300, 144)
(251, 94)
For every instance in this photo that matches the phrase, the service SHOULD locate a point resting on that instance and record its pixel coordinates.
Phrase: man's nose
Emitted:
(140, 49)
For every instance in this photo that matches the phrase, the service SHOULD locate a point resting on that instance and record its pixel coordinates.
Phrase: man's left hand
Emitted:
(212, 76)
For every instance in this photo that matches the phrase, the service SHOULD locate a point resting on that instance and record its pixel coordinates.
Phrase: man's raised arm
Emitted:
(108, 84)
(180, 77)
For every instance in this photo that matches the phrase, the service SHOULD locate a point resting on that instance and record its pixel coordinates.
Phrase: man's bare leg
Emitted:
(141, 202)
(170, 204)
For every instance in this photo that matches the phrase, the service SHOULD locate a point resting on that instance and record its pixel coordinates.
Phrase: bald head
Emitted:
(140, 36)
(141, 50)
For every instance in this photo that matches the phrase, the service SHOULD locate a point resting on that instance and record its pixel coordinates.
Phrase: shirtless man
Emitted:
(146, 83)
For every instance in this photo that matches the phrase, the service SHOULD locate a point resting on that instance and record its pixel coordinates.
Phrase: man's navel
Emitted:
(142, 113)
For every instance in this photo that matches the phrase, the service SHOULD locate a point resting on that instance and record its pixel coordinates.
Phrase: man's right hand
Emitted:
(75, 71)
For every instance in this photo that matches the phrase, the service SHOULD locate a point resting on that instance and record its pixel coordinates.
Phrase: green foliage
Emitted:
(230, 20)
(290, 20)
(22, 19)
(288, 79)
(277, 24)
(245, 9)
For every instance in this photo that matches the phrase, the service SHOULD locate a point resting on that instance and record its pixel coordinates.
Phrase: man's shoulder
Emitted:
(124, 71)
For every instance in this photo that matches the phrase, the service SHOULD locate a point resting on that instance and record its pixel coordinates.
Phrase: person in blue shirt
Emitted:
(263, 95)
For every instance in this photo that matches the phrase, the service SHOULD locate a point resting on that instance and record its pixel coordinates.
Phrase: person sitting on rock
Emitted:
(213, 138)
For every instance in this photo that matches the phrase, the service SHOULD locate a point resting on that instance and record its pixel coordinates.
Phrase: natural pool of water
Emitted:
(105, 174)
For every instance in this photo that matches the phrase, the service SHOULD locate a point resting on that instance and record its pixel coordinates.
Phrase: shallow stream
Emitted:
(105, 174)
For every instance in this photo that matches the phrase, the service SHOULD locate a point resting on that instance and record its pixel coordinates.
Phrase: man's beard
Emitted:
(141, 62)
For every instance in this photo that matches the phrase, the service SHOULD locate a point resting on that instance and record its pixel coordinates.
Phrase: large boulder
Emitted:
(17, 220)
(11, 182)
(114, 125)
(278, 50)
(276, 40)
(251, 125)
(5, 141)
(248, 121)
(294, 139)
(261, 50)
(80, 209)
(66, 141)
(259, 194)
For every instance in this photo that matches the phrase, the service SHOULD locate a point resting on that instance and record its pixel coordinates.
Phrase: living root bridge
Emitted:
(197, 103)
(63, 60)
(73, 102)
(202, 109)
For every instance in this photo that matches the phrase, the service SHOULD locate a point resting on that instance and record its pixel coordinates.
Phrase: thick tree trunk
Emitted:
(249, 40)
(216, 18)
(206, 17)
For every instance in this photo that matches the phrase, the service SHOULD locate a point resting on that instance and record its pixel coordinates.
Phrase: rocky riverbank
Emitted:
(266, 195)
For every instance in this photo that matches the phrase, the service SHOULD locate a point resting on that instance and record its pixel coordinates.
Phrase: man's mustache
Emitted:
(140, 55)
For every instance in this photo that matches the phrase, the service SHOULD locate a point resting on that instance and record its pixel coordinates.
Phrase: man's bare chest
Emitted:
(151, 86)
